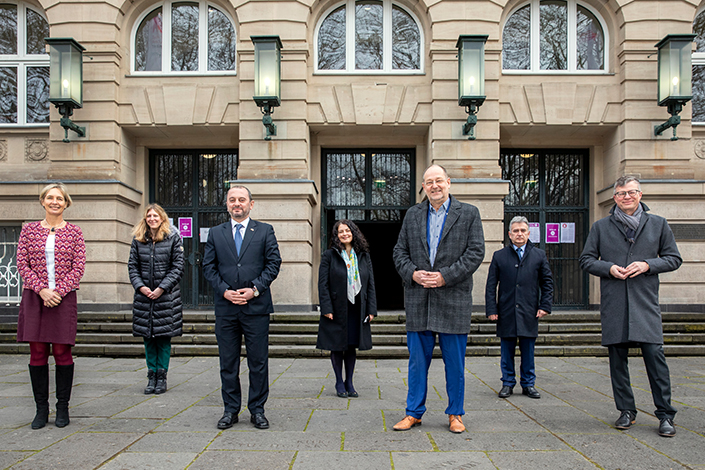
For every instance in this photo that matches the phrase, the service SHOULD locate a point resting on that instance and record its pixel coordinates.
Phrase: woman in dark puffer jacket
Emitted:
(156, 266)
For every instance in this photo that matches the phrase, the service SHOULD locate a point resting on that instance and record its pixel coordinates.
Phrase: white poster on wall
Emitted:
(567, 232)
(535, 232)
(203, 234)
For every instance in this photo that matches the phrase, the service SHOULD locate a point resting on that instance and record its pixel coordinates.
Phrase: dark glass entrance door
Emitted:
(373, 188)
(551, 187)
(191, 184)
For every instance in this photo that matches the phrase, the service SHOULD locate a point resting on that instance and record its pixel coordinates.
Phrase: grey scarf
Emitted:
(629, 221)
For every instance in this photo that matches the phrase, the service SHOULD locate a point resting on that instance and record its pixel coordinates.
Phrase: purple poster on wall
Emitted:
(186, 227)
(552, 233)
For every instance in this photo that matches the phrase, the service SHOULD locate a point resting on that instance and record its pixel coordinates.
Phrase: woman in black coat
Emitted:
(156, 266)
(346, 293)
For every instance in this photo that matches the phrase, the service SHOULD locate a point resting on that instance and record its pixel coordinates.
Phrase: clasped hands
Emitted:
(633, 270)
(428, 279)
(539, 314)
(50, 297)
(152, 294)
(240, 296)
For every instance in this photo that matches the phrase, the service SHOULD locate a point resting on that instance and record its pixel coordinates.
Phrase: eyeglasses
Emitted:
(631, 192)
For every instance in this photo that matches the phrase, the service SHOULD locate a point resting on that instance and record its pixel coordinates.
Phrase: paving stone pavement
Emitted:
(115, 427)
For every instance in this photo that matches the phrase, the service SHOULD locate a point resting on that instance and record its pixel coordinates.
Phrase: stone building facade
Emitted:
(367, 86)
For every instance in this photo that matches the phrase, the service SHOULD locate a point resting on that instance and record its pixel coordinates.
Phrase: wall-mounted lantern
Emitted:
(675, 75)
(267, 78)
(66, 81)
(471, 78)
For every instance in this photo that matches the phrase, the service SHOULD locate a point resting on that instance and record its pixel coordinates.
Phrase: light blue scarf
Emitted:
(354, 284)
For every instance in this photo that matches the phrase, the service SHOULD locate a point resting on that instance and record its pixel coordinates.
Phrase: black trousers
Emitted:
(229, 331)
(656, 370)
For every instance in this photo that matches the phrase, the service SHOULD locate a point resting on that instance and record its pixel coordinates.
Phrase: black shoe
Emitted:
(64, 382)
(39, 376)
(530, 392)
(667, 428)
(227, 420)
(342, 394)
(151, 382)
(259, 421)
(625, 421)
(352, 393)
(505, 392)
(160, 386)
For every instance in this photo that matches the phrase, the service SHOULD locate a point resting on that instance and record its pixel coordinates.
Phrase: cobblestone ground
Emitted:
(114, 426)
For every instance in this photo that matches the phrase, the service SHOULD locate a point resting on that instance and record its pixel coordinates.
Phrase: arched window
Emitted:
(368, 36)
(699, 69)
(548, 36)
(24, 66)
(184, 37)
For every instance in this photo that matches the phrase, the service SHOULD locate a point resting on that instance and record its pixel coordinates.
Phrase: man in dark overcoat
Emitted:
(525, 283)
(440, 246)
(241, 260)
(628, 250)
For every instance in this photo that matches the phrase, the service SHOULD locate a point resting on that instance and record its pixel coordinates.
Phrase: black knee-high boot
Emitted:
(336, 358)
(39, 375)
(64, 382)
(350, 357)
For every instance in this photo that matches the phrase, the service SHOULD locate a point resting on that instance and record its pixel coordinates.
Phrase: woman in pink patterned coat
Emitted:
(51, 257)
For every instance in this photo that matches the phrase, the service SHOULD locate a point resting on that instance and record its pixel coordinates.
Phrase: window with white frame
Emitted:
(368, 36)
(699, 69)
(24, 66)
(561, 36)
(184, 37)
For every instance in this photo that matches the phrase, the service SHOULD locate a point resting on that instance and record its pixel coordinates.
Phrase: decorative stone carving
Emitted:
(36, 150)
(3, 150)
(700, 149)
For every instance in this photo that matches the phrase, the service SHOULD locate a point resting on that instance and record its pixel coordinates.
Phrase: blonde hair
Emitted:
(141, 229)
(61, 187)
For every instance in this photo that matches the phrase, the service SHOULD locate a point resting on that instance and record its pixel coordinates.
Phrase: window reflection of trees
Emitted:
(590, 41)
(406, 41)
(392, 171)
(554, 35)
(213, 172)
(221, 41)
(699, 68)
(331, 41)
(184, 37)
(522, 172)
(563, 180)
(345, 179)
(37, 94)
(8, 94)
(368, 35)
(148, 43)
(516, 45)
(37, 30)
(8, 29)
(175, 175)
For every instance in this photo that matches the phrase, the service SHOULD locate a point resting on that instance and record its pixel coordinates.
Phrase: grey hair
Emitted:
(445, 172)
(235, 186)
(625, 180)
(519, 219)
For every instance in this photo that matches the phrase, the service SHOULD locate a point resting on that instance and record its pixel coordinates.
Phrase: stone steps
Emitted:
(294, 335)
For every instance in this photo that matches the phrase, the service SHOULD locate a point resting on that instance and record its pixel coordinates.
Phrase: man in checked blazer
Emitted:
(241, 260)
(440, 246)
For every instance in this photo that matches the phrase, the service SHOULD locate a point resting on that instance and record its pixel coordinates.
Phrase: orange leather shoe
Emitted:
(455, 423)
(407, 423)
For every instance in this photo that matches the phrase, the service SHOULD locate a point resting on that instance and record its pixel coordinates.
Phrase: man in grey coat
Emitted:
(627, 251)
(440, 246)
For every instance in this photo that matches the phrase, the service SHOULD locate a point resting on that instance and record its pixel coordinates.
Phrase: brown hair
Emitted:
(61, 187)
(142, 229)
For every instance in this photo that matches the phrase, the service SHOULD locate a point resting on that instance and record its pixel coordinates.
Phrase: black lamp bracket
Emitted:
(66, 111)
(267, 121)
(674, 108)
(469, 126)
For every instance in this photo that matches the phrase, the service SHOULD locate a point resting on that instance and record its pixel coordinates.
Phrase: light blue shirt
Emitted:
(436, 220)
(520, 253)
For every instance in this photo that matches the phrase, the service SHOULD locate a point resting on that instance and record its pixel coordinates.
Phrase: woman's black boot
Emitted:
(64, 382)
(39, 375)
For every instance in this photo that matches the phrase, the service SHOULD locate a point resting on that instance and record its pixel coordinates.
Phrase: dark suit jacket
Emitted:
(333, 298)
(524, 287)
(258, 265)
(461, 249)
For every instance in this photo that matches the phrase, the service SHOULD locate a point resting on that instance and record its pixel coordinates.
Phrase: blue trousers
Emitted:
(528, 370)
(420, 345)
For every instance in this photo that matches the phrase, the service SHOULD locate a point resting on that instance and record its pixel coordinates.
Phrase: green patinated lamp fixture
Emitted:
(675, 76)
(471, 78)
(267, 78)
(66, 81)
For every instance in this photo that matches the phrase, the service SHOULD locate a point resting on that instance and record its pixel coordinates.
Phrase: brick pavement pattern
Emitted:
(114, 426)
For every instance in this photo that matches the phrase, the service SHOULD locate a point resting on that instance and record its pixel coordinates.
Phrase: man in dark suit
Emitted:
(627, 250)
(525, 295)
(440, 246)
(241, 260)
